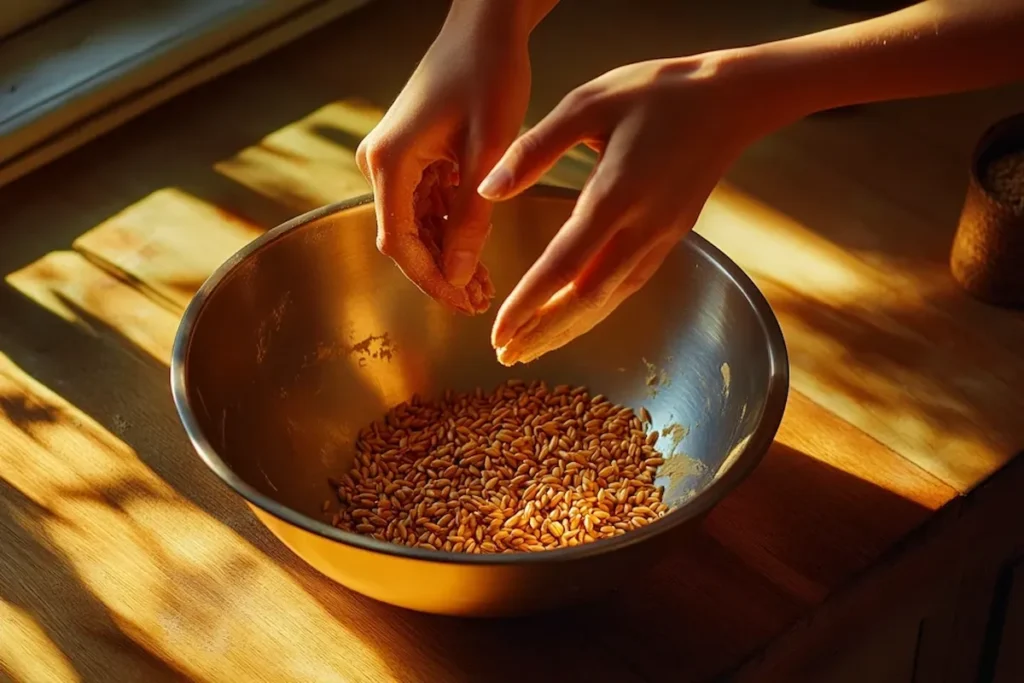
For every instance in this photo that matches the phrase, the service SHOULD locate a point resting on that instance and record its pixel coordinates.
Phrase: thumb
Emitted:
(528, 158)
(470, 221)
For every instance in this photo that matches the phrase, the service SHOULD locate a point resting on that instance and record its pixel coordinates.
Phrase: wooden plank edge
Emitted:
(908, 574)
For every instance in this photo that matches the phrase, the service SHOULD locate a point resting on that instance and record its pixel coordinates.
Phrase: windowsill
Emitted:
(21, 14)
(99, 63)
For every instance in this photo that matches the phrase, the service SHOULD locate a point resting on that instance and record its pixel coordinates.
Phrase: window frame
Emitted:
(76, 74)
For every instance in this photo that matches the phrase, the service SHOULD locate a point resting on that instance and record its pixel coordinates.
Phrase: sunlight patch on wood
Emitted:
(26, 653)
(200, 596)
(38, 416)
(310, 162)
(884, 375)
(873, 351)
(198, 593)
(78, 291)
(767, 242)
(169, 242)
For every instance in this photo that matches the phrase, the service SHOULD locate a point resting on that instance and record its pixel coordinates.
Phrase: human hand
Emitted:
(666, 131)
(452, 121)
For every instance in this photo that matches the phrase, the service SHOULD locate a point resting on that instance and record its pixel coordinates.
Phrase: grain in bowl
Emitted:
(520, 468)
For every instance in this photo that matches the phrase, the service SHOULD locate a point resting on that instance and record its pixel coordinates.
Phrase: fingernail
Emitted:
(459, 266)
(503, 335)
(506, 357)
(529, 326)
(496, 184)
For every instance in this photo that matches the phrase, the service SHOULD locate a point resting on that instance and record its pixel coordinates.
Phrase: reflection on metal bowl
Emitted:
(308, 334)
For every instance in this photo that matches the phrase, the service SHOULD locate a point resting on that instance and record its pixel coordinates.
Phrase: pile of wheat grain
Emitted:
(522, 468)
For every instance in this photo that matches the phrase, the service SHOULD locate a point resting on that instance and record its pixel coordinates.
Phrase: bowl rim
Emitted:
(743, 464)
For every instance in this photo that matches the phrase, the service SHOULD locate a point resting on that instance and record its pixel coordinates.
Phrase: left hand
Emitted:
(460, 110)
(666, 131)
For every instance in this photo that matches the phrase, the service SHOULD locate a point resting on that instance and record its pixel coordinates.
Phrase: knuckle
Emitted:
(385, 244)
(560, 274)
(632, 284)
(606, 207)
(581, 99)
(476, 224)
(375, 153)
(563, 275)
(471, 225)
(594, 297)
(474, 233)
(613, 193)
(597, 290)
(593, 300)
(363, 150)
(525, 147)
(376, 156)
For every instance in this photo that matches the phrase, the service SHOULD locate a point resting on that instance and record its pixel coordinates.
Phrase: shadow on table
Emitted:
(757, 566)
(777, 547)
(887, 180)
(54, 598)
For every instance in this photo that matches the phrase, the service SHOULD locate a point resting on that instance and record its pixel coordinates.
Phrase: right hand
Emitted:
(666, 130)
(453, 120)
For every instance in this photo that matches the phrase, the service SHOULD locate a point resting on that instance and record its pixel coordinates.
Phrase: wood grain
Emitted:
(846, 221)
(856, 210)
(826, 502)
(127, 558)
(756, 568)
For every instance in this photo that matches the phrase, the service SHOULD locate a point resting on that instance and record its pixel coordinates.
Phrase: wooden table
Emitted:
(880, 536)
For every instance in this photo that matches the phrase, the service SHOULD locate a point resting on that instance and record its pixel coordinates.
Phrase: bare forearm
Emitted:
(516, 16)
(932, 48)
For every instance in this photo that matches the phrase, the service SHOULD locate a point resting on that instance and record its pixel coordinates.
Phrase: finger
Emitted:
(571, 307)
(470, 222)
(574, 120)
(569, 317)
(418, 265)
(485, 278)
(540, 341)
(398, 233)
(364, 168)
(603, 205)
(480, 290)
(394, 185)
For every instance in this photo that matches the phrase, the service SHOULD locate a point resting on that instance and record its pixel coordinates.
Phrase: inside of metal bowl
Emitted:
(310, 334)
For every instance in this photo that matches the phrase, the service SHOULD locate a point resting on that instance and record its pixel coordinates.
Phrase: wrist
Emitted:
(515, 18)
(759, 86)
(779, 80)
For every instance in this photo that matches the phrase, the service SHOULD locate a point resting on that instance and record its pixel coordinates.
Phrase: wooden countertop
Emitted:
(122, 558)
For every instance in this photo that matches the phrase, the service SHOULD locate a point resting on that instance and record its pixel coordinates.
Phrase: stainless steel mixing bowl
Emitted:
(308, 334)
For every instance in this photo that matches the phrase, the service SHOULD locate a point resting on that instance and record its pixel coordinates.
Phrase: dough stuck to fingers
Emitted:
(432, 198)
